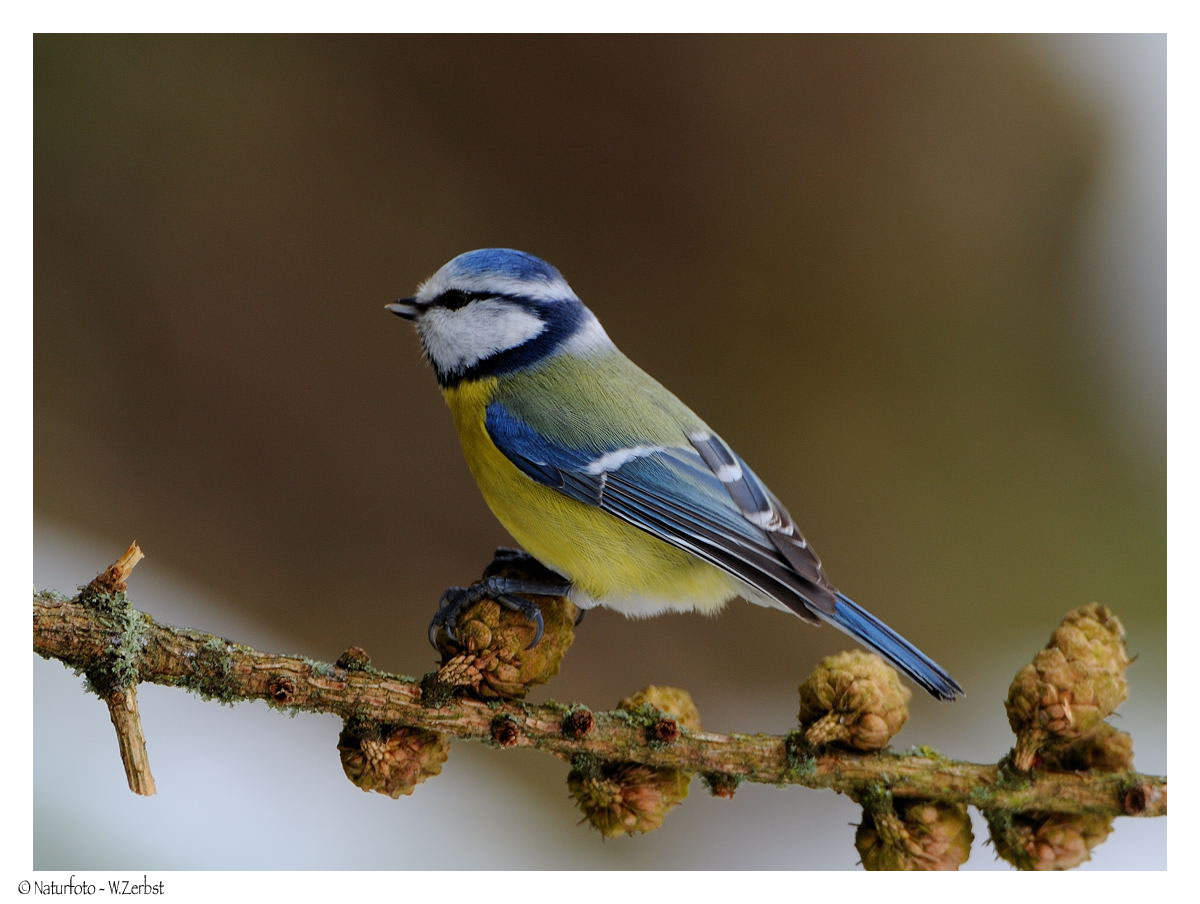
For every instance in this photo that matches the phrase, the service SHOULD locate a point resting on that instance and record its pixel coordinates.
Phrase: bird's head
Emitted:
(495, 311)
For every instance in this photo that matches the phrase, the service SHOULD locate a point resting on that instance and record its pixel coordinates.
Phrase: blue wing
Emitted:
(702, 498)
(675, 494)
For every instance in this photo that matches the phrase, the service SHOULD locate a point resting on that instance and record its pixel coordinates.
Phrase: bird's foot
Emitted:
(509, 592)
(507, 557)
(454, 602)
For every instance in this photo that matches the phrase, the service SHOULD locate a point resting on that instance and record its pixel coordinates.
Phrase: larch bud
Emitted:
(854, 699)
(631, 798)
(1092, 634)
(491, 655)
(1054, 841)
(627, 798)
(1071, 686)
(670, 701)
(391, 759)
(920, 835)
(1107, 750)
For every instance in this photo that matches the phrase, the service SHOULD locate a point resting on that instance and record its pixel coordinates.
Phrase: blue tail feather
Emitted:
(871, 632)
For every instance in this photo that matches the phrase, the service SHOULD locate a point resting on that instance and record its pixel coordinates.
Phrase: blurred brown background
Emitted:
(912, 279)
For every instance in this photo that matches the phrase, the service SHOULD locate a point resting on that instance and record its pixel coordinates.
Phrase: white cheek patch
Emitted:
(456, 340)
(589, 337)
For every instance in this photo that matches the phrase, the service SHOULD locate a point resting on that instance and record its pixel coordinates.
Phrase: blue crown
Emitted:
(506, 263)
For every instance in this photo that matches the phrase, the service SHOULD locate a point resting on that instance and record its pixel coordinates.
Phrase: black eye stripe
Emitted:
(453, 299)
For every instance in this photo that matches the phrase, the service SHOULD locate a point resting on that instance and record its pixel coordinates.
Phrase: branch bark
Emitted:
(83, 636)
(116, 681)
(131, 741)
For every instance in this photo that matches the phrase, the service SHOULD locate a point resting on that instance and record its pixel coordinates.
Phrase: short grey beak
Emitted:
(404, 307)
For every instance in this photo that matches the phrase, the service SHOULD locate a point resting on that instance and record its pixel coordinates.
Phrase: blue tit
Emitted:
(602, 474)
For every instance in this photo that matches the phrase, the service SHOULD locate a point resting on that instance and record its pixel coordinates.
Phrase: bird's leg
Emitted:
(523, 563)
(506, 555)
(508, 591)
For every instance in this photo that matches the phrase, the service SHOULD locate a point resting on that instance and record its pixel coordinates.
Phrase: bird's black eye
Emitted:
(453, 299)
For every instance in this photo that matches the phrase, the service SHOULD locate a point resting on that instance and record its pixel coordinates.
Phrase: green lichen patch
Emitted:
(873, 795)
(924, 750)
(798, 753)
(642, 716)
(587, 766)
(102, 600)
(320, 669)
(118, 667)
(721, 784)
(211, 671)
(1009, 777)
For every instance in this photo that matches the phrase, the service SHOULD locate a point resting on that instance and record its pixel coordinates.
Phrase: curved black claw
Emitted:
(505, 591)
(579, 618)
(453, 603)
(527, 608)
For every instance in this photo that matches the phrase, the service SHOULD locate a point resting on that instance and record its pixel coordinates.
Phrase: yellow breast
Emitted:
(610, 561)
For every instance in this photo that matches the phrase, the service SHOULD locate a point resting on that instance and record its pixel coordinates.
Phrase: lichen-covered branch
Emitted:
(114, 678)
(88, 638)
